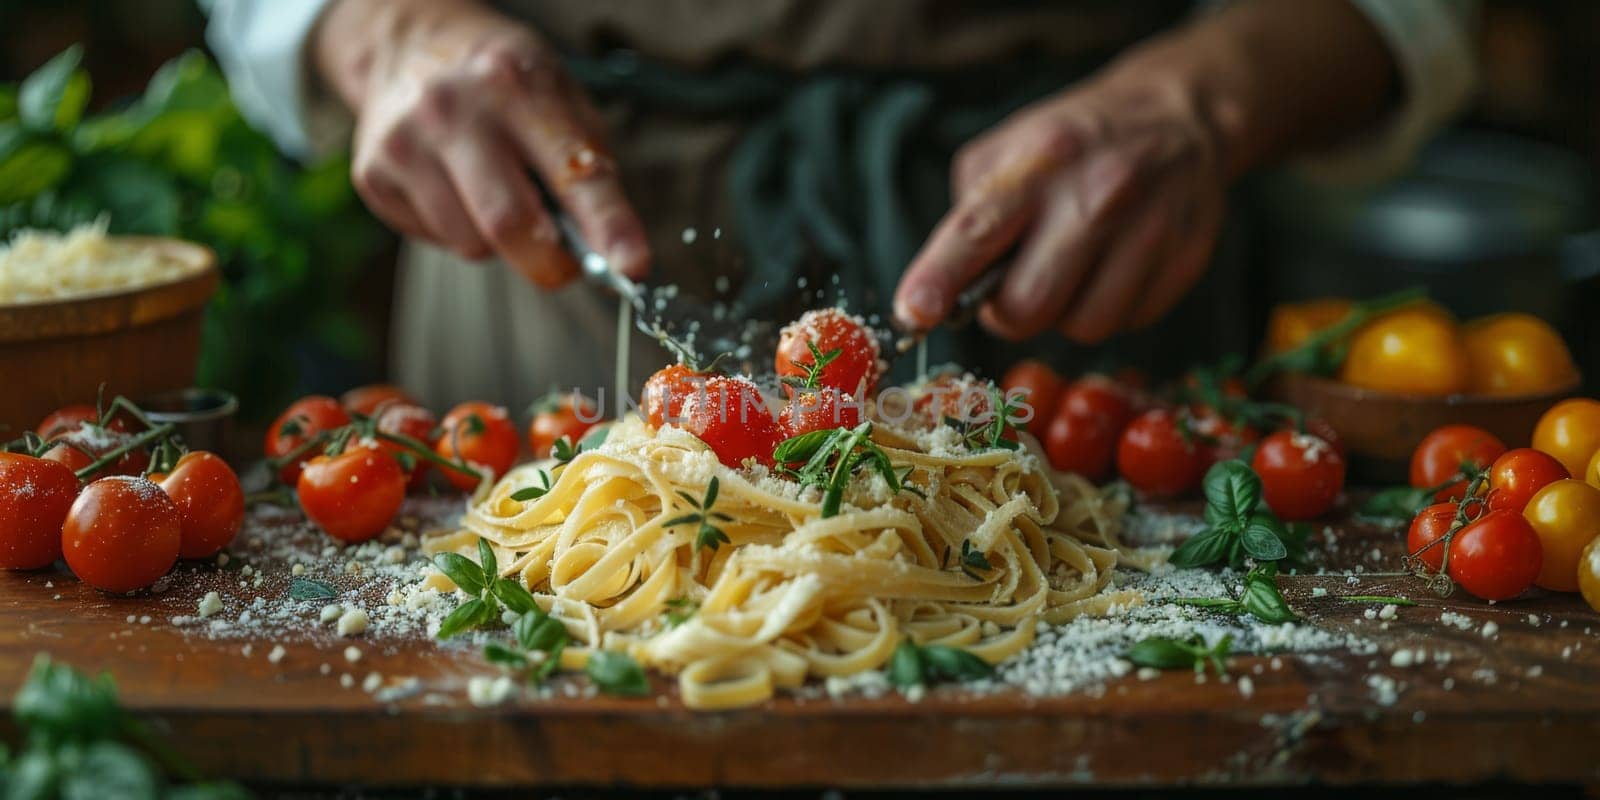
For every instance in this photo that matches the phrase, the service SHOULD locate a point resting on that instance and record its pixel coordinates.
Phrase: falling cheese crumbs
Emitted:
(209, 605)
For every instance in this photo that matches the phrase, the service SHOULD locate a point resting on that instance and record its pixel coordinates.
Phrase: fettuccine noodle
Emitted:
(793, 594)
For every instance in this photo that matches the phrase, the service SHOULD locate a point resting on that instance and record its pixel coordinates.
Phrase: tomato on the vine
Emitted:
(1441, 455)
(1517, 475)
(34, 497)
(1157, 457)
(732, 418)
(1429, 526)
(1221, 439)
(855, 368)
(665, 391)
(353, 495)
(1570, 431)
(1101, 398)
(1301, 475)
(1080, 443)
(959, 397)
(415, 423)
(480, 434)
(209, 500)
(1566, 516)
(86, 444)
(1290, 324)
(1033, 382)
(819, 410)
(1497, 556)
(299, 424)
(370, 399)
(122, 533)
(67, 418)
(557, 417)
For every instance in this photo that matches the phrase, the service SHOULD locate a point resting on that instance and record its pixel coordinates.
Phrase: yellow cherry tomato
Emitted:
(1566, 515)
(1512, 354)
(1570, 431)
(1591, 473)
(1290, 324)
(1589, 574)
(1415, 350)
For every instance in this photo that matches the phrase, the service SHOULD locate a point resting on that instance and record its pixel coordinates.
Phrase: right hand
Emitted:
(454, 105)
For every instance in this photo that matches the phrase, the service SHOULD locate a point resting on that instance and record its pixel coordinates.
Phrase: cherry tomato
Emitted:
(1441, 454)
(122, 533)
(370, 399)
(209, 500)
(1081, 443)
(84, 445)
(1497, 556)
(1223, 439)
(1591, 473)
(354, 495)
(483, 436)
(731, 417)
(1589, 574)
(1156, 458)
(1036, 384)
(34, 497)
(1566, 516)
(414, 422)
(854, 370)
(558, 417)
(1301, 475)
(1101, 398)
(1517, 475)
(1411, 351)
(665, 391)
(298, 424)
(1570, 431)
(819, 410)
(1324, 430)
(1515, 354)
(1429, 526)
(1290, 324)
(958, 397)
(67, 418)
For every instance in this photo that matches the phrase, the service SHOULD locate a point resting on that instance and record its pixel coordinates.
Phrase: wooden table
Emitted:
(1312, 720)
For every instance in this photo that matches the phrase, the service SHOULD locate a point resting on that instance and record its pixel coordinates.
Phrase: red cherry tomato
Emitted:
(854, 370)
(1301, 475)
(66, 418)
(959, 397)
(354, 495)
(1100, 398)
(1155, 457)
(558, 418)
(1497, 556)
(34, 497)
(1517, 475)
(732, 418)
(84, 445)
(1080, 443)
(1222, 439)
(298, 424)
(1034, 383)
(122, 533)
(819, 410)
(370, 399)
(483, 436)
(666, 390)
(209, 500)
(415, 423)
(1429, 526)
(1442, 453)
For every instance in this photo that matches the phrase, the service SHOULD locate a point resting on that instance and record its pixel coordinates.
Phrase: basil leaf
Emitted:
(905, 665)
(460, 569)
(496, 653)
(1160, 652)
(1204, 548)
(1223, 604)
(513, 595)
(595, 437)
(307, 589)
(463, 618)
(487, 562)
(1264, 602)
(529, 493)
(617, 673)
(546, 634)
(1401, 502)
(525, 626)
(1262, 537)
(109, 769)
(53, 97)
(59, 701)
(802, 447)
(954, 663)
(1232, 492)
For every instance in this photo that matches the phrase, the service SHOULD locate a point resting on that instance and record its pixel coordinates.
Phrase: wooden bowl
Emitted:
(1381, 429)
(137, 342)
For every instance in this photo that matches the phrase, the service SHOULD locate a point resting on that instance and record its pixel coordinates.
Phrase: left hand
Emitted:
(1112, 193)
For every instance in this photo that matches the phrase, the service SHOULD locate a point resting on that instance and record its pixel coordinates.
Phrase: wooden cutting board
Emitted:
(1524, 705)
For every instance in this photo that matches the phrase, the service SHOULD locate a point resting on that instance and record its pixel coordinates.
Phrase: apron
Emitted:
(785, 154)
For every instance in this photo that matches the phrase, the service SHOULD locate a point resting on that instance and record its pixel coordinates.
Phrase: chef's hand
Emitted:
(454, 105)
(1112, 192)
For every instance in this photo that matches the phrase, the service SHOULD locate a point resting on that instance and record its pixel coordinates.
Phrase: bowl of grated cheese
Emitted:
(83, 309)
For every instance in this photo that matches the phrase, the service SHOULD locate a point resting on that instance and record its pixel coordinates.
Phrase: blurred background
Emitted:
(1496, 215)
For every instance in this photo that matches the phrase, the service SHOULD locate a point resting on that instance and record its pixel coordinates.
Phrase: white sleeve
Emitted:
(1431, 41)
(261, 45)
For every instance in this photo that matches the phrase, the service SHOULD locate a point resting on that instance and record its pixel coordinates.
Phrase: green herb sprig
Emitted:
(1160, 652)
(828, 458)
(708, 535)
(615, 672)
(1237, 525)
(813, 368)
(989, 434)
(488, 591)
(537, 642)
(916, 665)
(683, 609)
(1260, 598)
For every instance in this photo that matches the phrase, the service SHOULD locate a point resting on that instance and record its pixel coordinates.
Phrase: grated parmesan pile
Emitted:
(39, 266)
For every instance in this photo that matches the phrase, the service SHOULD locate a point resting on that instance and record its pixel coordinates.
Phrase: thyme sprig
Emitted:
(707, 535)
(829, 457)
(813, 368)
(988, 432)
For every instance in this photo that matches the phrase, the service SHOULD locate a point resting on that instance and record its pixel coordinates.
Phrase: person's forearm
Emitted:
(1271, 77)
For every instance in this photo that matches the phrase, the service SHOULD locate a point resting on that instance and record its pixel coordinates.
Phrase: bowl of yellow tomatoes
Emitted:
(1385, 372)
